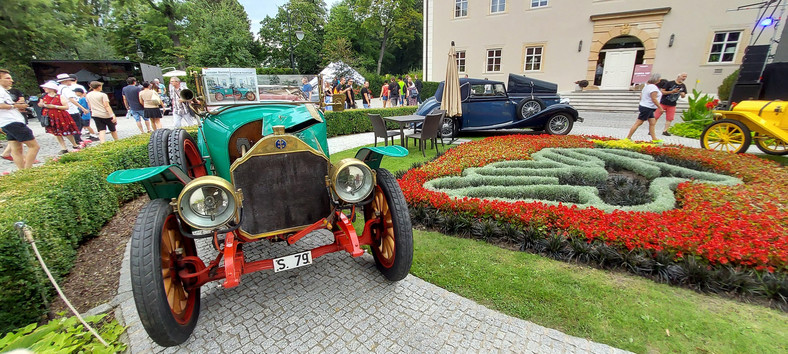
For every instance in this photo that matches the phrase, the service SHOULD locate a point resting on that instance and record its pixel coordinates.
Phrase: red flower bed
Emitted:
(744, 225)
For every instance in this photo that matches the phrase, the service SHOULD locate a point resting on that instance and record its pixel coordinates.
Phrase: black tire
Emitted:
(166, 325)
(559, 124)
(157, 148)
(389, 201)
(448, 128)
(770, 145)
(250, 96)
(183, 151)
(528, 107)
(726, 135)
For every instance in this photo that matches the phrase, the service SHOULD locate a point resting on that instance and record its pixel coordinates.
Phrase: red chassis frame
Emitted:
(235, 263)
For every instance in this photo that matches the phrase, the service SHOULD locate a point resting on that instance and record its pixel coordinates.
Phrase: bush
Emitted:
(67, 335)
(356, 120)
(428, 90)
(724, 90)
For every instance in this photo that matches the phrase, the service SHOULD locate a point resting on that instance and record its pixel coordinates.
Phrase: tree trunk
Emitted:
(383, 47)
(176, 40)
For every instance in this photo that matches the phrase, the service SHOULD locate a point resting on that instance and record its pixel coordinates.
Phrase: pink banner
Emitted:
(641, 74)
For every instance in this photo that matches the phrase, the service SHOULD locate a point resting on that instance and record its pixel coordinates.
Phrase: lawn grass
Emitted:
(394, 164)
(614, 308)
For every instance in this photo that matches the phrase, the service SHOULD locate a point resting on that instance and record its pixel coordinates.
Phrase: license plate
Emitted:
(292, 261)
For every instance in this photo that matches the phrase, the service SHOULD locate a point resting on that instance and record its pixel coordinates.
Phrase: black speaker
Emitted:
(741, 92)
(752, 63)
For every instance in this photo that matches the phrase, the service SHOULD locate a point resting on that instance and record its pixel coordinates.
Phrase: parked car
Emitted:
(255, 172)
(486, 104)
(220, 92)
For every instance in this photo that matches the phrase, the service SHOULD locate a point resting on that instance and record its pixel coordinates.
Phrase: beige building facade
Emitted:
(602, 41)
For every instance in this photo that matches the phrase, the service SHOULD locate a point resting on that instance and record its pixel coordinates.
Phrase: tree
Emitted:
(392, 22)
(219, 34)
(276, 34)
(135, 20)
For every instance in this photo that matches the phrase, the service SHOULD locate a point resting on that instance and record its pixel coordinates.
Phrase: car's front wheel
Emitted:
(559, 124)
(448, 128)
(250, 96)
(392, 237)
(218, 96)
(168, 310)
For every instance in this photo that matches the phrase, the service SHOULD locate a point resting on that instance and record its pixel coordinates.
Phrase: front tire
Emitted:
(168, 311)
(528, 107)
(559, 124)
(726, 135)
(770, 145)
(250, 96)
(218, 96)
(392, 238)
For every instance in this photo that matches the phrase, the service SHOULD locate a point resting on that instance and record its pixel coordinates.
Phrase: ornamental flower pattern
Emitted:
(744, 225)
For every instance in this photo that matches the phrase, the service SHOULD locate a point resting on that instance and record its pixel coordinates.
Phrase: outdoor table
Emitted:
(402, 121)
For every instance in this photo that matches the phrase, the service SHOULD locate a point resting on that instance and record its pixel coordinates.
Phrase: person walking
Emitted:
(181, 114)
(366, 97)
(60, 122)
(413, 93)
(384, 93)
(351, 95)
(649, 103)
(101, 111)
(67, 95)
(393, 92)
(151, 104)
(85, 115)
(671, 91)
(402, 91)
(131, 99)
(419, 86)
(12, 124)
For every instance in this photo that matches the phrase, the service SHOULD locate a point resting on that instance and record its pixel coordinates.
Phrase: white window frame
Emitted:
(458, 8)
(461, 68)
(538, 3)
(499, 4)
(533, 54)
(723, 45)
(487, 62)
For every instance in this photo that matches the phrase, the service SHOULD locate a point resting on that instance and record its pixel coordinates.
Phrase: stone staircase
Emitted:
(611, 101)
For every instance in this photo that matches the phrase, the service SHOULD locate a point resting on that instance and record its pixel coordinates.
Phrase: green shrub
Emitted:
(275, 71)
(687, 130)
(66, 335)
(356, 120)
(698, 113)
(724, 90)
(428, 89)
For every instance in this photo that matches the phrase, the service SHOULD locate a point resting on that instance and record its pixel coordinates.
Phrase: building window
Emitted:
(493, 60)
(533, 58)
(497, 6)
(538, 3)
(461, 61)
(460, 8)
(723, 47)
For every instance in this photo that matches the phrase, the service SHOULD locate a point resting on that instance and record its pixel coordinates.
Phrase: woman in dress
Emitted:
(151, 102)
(60, 122)
(413, 93)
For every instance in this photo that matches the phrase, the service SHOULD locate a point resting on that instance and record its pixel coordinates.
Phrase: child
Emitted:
(85, 115)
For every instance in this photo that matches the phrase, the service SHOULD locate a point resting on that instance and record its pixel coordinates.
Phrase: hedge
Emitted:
(66, 202)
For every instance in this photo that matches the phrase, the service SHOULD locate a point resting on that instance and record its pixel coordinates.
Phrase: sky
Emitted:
(258, 9)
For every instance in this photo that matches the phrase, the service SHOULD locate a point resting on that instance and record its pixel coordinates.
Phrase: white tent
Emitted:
(175, 73)
(339, 68)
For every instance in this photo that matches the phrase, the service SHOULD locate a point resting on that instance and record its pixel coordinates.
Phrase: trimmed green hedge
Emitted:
(356, 121)
(66, 202)
(428, 89)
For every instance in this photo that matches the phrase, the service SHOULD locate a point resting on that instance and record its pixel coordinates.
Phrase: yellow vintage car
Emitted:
(763, 122)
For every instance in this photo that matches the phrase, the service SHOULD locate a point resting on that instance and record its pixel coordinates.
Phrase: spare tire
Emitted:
(157, 147)
(183, 151)
(528, 107)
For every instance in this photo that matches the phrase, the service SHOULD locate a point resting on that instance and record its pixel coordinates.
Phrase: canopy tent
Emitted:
(174, 73)
(338, 69)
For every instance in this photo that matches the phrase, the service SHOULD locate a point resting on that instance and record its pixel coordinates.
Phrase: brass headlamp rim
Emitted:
(213, 181)
(344, 163)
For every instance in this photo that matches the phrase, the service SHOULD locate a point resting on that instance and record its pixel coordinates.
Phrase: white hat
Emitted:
(64, 77)
(50, 85)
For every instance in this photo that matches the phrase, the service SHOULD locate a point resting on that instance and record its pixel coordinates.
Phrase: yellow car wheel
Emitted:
(726, 135)
(770, 145)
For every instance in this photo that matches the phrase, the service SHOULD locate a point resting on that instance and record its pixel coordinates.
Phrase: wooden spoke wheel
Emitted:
(392, 237)
(770, 145)
(726, 135)
(168, 310)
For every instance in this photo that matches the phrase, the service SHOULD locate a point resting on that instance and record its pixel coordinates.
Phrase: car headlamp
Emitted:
(352, 180)
(207, 202)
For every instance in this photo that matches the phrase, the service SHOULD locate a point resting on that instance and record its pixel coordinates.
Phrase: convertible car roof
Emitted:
(522, 84)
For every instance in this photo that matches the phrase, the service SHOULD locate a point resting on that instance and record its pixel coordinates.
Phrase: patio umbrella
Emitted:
(451, 101)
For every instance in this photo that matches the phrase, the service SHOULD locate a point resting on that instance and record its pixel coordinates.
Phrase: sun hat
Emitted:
(64, 77)
(50, 85)
(73, 76)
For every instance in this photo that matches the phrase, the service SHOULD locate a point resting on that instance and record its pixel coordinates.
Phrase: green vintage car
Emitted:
(254, 172)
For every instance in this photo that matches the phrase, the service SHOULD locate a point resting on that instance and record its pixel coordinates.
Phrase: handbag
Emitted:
(155, 99)
(44, 120)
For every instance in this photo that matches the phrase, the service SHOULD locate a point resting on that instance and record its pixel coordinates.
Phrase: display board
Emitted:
(230, 85)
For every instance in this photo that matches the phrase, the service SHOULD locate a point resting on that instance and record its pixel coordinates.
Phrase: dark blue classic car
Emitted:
(529, 103)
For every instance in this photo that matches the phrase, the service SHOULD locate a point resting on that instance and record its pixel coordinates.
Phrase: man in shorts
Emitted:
(131, 99)
(12, 124)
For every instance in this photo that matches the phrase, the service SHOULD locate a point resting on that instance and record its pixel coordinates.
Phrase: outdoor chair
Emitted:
(429, 132)
(379, 126)
(417, 126)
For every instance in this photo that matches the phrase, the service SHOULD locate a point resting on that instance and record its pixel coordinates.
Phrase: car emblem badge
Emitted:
(281, 144)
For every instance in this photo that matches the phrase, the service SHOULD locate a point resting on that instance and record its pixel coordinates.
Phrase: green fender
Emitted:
(159, 181)
(373, 155)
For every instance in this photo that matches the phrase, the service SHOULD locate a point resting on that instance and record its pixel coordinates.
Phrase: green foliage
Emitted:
(309, 16)
(158, 26)
(65, 203)
(275, 71)
(428, 89)
(356, 120)
(66, 335)
(687, 130)
(222, 32)
(698, 116)
(724, 90)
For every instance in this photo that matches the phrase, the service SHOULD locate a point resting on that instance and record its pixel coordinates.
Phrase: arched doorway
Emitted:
(617, 60)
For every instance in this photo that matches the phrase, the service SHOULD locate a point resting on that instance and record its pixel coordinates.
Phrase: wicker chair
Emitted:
(429, 132)
(379, 126)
